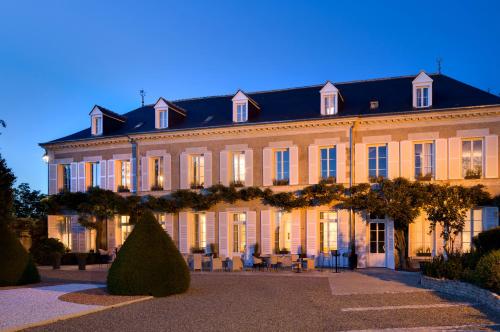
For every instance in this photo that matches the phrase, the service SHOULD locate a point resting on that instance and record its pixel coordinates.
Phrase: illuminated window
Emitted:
(125, 174)
(239, 232)
(472, 158)
(283, 231)
(241, 112)
(424, 160)
(125, 227)
(200, 230)
(330, 101)
(66, 177)
(328, 163)
(197, 171)
(157, 173)
(95, 174)
(65, 231)
(328, 231)
(377, 161)
(239, 167)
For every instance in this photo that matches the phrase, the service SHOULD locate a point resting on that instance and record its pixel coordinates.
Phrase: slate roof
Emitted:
(111, 114)
(394, 96)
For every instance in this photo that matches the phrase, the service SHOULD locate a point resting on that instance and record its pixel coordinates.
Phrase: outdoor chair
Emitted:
(197, 262)
(237, 264)
(309, 263)
(275, 262)
(256, 263)
(216, 264)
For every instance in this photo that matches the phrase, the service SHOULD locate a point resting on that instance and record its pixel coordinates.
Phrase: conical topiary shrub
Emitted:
(148, 263)
(16, 265)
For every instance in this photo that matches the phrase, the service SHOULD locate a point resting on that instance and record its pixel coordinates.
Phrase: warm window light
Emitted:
(45, 158)
(160, 178)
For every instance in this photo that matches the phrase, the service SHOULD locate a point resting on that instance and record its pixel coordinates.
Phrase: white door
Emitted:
(377, 244)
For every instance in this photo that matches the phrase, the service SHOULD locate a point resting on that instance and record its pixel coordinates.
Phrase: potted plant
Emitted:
(55, 250)
(156, 187)
(282, 182)
(123, 189)
(237, 184)
(196, 185)
(82, 260)
(197, 250)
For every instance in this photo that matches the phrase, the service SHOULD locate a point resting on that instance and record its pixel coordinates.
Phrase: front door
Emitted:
(377, 244)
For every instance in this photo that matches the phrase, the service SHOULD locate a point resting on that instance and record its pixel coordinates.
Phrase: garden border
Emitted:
(460, 288)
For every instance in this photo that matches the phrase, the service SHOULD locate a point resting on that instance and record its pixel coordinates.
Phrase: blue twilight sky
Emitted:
(59, 58)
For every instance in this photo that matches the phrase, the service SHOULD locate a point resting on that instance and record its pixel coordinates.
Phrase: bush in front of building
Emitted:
(16, 265)
(488, 240)
(488, 271)
(148, 263)
(43, 251)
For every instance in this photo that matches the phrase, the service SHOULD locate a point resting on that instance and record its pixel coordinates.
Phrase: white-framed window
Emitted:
(94, 174)
(66, 177)
(197, 171)
(330, 102)
(377, 237)
(241, 112)
(97, 125)
(328, 231)
(377, 161)
(125, 228)
(422, 96)
(239, 232)
(90, 239)
(200, 230)
(472, 227)
(472, 158)
(162, 220)
(157, 173)
(424, 160)
(328, 163)
(282, 165)
(283, 232)
(239, 167)
(125, 174)
(65, 231)
(163, 118)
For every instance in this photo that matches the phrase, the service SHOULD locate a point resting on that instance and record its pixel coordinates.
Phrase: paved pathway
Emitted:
(22, 306)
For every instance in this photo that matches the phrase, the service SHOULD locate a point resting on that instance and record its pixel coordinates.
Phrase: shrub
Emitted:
(488, 240)
(488, 271)
(16, 265)
(148, 263)
(43, 250)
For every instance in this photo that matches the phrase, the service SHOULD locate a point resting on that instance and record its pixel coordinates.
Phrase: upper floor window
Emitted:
(125, 174)
(377, 161)
(282, 232)
(66, 177)
(422, 90)
(239, 232)
(328, 163)
(200, 231)
(330, 102)
(329, 99)
(241, 112)
(472, 158)
(281, 167)
(423, 97)
(328, 231)
(94, 179)
(424, 161)
(197, 171)
(163, 118)
(157, 173)
(97, 125)
(238, 168)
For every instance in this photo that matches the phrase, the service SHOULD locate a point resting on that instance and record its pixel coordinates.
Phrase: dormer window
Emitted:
(167, 114)
(374, 104)
(96, 125)
(329, 99)
(163, 115)
(422, 91)
(241, 112)
(244, 107)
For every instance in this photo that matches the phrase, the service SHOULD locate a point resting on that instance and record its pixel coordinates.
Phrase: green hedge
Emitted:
(488, 271)
(488, 240)
(148, 263)
(16, 265)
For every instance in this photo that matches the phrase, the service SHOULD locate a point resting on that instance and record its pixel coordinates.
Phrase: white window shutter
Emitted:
(266, 232)
(393, 164)
(454, 162)
(311, 232)
(169, 225)
(223, 234)
(251, 231)
(267, 167)
(490, 217)
(441, 157)
(183, 233)
(313, 166)
(81, 177)
(407, 170)
(248, 167)
(78, 238)
(167, 172)
(52, 179)
(360, 164)
(389, 252)
(102, 164)
(224, 168)
(491, 153)
(294, 165)
(341, 163)
(144, 174)
(295, 245)
(343, 230)
(208, 169)
(210, 229)
(184, 180)
(74, 177)
(111, 175)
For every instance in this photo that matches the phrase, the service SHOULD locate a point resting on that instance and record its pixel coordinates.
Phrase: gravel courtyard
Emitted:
(371, 299)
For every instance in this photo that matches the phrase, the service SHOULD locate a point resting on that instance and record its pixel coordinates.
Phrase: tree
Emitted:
(7, 180)
(447, 206)
(29, 210)
(2, 124)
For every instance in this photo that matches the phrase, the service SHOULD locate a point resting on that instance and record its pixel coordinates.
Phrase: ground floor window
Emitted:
(90, 239)
(125, 227)
(239, 232)
(473, 226)
(65, 231)
(328, 231)
(283, 230)
(200, 230)
(377, 238)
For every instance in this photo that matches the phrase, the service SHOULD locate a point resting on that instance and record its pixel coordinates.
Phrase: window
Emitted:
(97, 125)
(328, 165)
(66, 177)
(239, 167)
(377, 238)
(125, 228)
(239, 232)
(163, 121)
(90, 240)
(472, 227)
(200, 231)
(472, 158)
(330, 101)
(157, 173)
(282, 165)
(424, 161)
(422, 97)
(95, 174)
(197, 171)
(282, 233)
(65, 231)
(162, 220)
(377, 161)
(328, 231)
(125, 174)
(241, 112)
